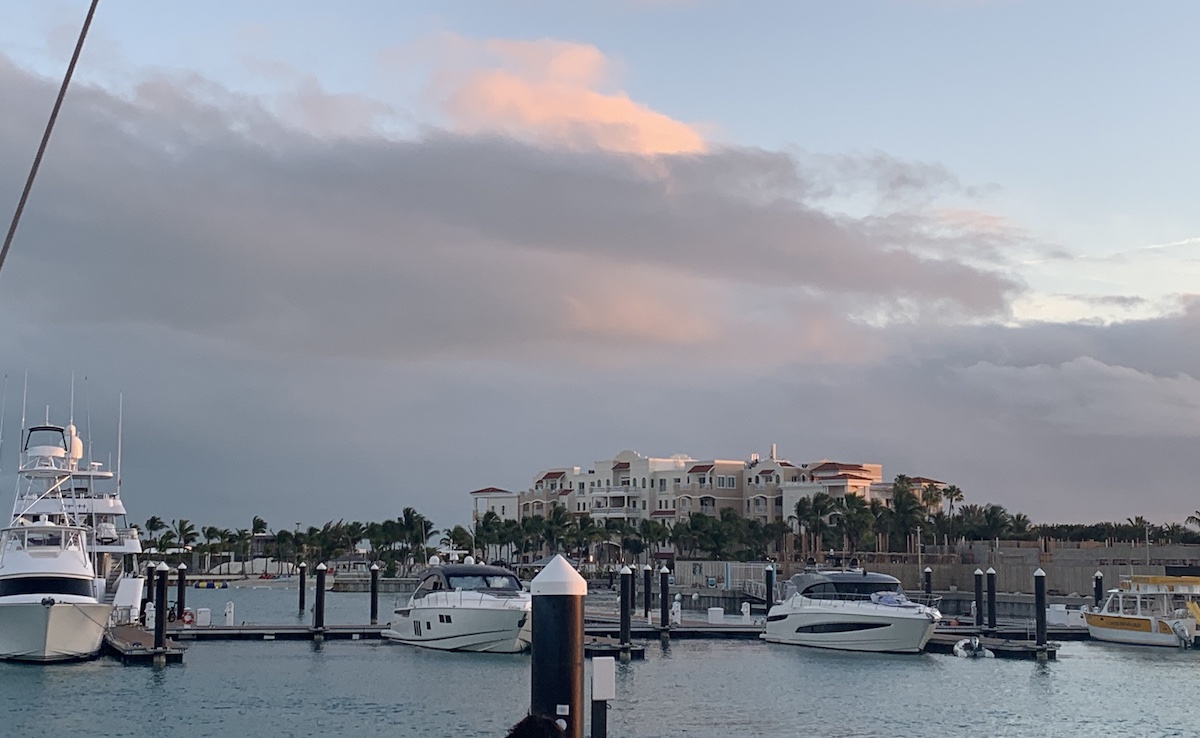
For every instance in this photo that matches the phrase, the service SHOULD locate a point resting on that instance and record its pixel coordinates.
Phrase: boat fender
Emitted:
(47, 602)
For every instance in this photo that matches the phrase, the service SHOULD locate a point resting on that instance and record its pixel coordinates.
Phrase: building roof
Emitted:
(924, 481)
(848, 476)
(492, 491)
(620, 465)
(700, 468)
(835, 466)
(553, 475)
(663, 513)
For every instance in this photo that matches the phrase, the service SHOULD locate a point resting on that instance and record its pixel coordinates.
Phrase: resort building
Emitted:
(631, 487)
(493, 499)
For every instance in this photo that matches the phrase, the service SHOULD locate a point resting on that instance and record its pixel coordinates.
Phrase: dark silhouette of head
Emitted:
(536, 726)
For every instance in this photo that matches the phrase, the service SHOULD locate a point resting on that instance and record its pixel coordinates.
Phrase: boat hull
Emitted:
(845, 630)
(1137, 630)
(483, 630)
(59, 632)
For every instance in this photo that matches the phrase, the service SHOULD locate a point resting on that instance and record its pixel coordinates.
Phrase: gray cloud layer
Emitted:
(317, 328)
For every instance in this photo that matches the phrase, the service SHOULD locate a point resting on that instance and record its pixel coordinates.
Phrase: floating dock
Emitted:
(131, 645)
(944, 642)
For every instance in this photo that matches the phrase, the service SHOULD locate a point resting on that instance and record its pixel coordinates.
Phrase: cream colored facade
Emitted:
(632, 487)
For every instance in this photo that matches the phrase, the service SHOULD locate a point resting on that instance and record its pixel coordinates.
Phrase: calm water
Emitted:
(696, 688)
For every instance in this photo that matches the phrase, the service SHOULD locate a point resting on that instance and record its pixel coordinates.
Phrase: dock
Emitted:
(130, 644)
(943, 642)
(275, 632)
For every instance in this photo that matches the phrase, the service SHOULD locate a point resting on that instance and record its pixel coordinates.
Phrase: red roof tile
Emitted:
(491, 490)
(553, 475)
(620, 465)
(663, 513)
(848, 476)
(923, 481)
(700, 468)
(835, 466)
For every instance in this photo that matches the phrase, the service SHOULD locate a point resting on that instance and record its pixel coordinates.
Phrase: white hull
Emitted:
(482, 629)
(850, 627)
(61, 632)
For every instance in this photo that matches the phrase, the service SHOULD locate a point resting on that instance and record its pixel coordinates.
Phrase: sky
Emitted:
(338, 261)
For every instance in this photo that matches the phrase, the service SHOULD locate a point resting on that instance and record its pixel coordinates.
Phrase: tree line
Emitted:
(917, 515)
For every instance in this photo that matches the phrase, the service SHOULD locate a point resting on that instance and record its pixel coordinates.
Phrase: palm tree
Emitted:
(952, 494)
(1193, 519)
(882, 523)
(931, 497)
(852, 518)
(153, 525)
(908, 511)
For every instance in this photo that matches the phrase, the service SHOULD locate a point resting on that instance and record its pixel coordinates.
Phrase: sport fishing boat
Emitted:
(67, 560)
(1148, 611)
(465, 607)
(852, 610)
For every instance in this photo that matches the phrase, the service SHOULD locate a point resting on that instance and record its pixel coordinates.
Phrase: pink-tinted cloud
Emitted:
(553, 93)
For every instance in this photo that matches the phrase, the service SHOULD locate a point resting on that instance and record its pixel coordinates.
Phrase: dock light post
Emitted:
(160, 611)
(180, 590)
(303, 570)
(664, 611)
(319, 605)
(374, 594)
(556, 648)
(769, 581)
(928, 581)
(626, 595)
(978, 598)
(1039, 604)
(991, 598)
(647, 590)
(1098, 588)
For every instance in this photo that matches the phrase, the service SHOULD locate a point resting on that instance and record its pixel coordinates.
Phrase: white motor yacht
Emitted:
(465, 607)
(851, 610)
(64, 562)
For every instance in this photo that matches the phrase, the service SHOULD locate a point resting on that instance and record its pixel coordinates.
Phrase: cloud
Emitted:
(219, 219)
(304, 312)
(552, 93)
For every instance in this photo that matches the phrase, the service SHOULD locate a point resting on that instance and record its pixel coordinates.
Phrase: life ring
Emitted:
(188, 617)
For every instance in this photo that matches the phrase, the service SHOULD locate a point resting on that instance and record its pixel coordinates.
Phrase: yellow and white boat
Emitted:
(1149, 611)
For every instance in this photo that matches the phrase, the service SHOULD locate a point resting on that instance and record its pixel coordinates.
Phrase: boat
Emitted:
(851, 610)
(1148, 610)
(465, 607)
(68, 563)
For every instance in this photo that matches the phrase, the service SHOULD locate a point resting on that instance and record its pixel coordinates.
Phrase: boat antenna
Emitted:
(120, 413)
(87, 409)
(3, 407)
(37, 160)
(71, 413)
(21, 450)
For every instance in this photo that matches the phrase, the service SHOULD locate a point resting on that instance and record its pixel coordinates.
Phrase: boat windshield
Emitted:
(853, 590)
(489, 581)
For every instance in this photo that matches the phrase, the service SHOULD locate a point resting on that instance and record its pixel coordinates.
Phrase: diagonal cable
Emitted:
(37, 160)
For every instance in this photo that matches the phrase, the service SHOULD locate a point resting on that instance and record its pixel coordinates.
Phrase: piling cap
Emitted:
(928, 570)
(321, 566)
(664, 570)
(182, 566)
(1039, 573)
(558, 578)
(991, 570)
(769, 568)
(303, 565)
(625, 570)
(162, 566)
(979, 572)
(646, 567)
(1098, 575)
(374, 567)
